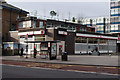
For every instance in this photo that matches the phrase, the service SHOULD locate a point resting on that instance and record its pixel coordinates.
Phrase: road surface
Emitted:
(28, 72)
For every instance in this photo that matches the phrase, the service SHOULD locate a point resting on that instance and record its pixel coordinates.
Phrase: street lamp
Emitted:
(26, 46)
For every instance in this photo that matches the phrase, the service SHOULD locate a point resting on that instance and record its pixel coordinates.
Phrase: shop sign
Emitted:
(62, 32)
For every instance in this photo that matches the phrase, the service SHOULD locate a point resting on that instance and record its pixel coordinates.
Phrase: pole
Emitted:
(98, 44)
(33, 35)
(27, 48)
(87, 45)
(108, 45)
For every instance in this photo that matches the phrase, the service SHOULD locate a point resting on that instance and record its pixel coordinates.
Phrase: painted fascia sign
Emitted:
(62, 32)
(41, 32)
(96, 36)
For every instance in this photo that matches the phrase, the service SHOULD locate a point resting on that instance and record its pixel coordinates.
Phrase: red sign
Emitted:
(42, 32)
(118, 38)
(60, 45)
(26, 36)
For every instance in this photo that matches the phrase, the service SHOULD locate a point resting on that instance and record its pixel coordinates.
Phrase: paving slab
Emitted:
(72, 59)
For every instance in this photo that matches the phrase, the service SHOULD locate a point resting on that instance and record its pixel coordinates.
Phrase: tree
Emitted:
(73, 19)
(80, 18)
(53, 13)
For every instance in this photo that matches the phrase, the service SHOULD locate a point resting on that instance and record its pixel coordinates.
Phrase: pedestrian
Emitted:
(21, 54)
(96, 49)
(35, 52)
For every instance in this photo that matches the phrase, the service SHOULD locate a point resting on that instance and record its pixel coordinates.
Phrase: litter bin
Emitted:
(64, 56)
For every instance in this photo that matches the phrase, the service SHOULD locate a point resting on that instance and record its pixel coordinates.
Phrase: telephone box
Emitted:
(52, 49)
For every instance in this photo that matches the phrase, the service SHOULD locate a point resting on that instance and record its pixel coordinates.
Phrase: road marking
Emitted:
(110, 67)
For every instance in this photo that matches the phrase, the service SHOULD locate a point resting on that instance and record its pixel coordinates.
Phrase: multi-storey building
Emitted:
(115, 17)
(101, 24)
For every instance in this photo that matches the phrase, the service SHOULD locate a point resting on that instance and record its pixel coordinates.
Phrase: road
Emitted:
(28, 72)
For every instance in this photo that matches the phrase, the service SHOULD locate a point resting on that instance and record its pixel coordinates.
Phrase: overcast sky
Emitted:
(58, 0)
(88, 8)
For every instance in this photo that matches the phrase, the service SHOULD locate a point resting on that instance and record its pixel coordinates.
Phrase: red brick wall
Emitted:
(8, 19)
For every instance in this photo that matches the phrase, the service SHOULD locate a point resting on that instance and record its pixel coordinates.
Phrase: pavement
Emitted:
(72, 59)
(94, 64)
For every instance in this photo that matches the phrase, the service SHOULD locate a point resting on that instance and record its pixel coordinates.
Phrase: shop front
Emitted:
(47, 49)
(10, 48)
(86, 43)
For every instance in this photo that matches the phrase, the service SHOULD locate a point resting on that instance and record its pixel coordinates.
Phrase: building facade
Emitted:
(9, 18)
(101, 24)
(115, 19)
(74, 38)
(115, 16)
(31, 29)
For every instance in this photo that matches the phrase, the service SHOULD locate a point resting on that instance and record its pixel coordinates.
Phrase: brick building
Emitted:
(74, 38)
(8, 21)
(9, 17)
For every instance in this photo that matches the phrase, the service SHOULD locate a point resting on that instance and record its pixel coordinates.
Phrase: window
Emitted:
(30, 36)
(41, 24)
(40, 38)
(20, 25)
(49, 25)
(26, 24)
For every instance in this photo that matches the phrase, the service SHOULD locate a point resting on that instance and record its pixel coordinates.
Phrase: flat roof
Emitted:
(40, 41)
(97, 33)
(66, 22)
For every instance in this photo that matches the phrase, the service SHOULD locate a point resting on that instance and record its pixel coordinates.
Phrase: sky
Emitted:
(58, 0)
(64, 8)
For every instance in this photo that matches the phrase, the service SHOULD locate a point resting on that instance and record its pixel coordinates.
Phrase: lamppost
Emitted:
(27, 46)
(33, 26)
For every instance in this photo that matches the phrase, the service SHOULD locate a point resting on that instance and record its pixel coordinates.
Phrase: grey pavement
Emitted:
(72, 59)
(26, 72)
